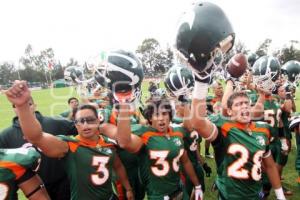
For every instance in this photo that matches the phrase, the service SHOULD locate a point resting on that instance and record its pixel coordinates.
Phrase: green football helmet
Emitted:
(123, 74)
(124, 71)
(252, 57)
(265, 71)
(292, 70)
(204, 34)
(179, 80)
(74, 74)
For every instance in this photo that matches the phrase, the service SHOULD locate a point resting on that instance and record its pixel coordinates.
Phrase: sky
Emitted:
(83, 28)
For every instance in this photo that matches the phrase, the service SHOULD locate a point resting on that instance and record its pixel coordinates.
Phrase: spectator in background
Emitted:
(152, 87)
(51, 170)
(73, 104)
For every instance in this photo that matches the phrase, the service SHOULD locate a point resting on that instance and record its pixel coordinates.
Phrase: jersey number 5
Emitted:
(102, 172)
(237, 170)
(162, 166)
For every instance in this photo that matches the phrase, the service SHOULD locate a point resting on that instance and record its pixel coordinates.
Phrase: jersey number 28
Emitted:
(237, 170)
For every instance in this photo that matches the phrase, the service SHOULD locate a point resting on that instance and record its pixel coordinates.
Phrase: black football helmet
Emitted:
(74, 74)
(265, 72)
(123, 73)
(252, 57)
(204, 34)
(179, 80)
(292, 70)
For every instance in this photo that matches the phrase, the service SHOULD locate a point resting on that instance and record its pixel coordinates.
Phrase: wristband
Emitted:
(198, 187)
(279, 193)
(41, 186)
(200, 90)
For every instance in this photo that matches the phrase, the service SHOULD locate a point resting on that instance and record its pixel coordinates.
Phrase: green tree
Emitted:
(288, 52)
(7, 73)
(154, 59)
(57, 72)
(263, 48)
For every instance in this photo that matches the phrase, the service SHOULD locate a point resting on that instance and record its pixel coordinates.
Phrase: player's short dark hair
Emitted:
(72, 98)
(86, 107)
(154, 106)
(234, 96)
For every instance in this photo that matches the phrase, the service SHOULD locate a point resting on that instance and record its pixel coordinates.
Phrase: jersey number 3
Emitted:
(102, 172)
(237, 170)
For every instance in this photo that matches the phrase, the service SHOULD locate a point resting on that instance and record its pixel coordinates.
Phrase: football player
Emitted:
(124, 74)
(16, 171)
(179, 81)
(88, 158)
(51, 170)
(266, 71)
(160, 148)
(241, 146)
(294, 126)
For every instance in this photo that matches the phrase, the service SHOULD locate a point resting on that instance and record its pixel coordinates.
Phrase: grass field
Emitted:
(51, 102)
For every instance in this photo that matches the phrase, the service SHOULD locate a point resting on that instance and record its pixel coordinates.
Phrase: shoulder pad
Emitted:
(109, 140)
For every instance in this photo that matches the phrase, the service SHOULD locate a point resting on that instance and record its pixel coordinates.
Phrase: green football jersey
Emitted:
(13, 165)
(272, 114)
(253, 96)
(285, 120)
(159, 161)
(190, 139)
(130, 160)
(239, 151)
(297, 160)
(177, 120)
(89, 167)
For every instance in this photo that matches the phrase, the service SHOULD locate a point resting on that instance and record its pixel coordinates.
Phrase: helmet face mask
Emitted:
(266, 71)
(179, 81)
(131, 96)
(204, 34)
(292, 71)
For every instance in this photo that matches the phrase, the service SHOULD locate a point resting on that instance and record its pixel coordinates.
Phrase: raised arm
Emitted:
(257, 111)
(19, 95)
(227, 92)
(126, 140)
(201, 124)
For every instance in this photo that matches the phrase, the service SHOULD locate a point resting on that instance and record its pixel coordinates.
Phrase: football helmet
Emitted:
(179, 80)
(123, 74)
(74, 74)
(100, 77)
(292, 70)
(265, 71)
(252, 57)
(294, 121)
(158, 94)
(204, 34)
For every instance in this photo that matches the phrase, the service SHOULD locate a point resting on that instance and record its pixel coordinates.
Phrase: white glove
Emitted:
(284, 145)
(198, 193)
